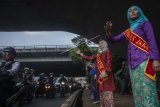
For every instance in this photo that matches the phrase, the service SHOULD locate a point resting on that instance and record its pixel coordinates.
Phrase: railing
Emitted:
(41, 48)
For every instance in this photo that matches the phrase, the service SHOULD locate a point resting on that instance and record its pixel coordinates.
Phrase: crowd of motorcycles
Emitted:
(28, 88)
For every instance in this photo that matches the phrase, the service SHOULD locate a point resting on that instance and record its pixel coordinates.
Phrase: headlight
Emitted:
(70, 86)
(62, 83)
(47, 86)
(74, 84)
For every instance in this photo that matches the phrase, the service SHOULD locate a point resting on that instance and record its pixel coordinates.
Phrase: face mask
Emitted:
(103, 47)
(100, 50)
(7, 56)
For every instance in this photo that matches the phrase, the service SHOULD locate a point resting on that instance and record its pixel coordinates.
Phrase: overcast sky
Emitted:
(36, 38)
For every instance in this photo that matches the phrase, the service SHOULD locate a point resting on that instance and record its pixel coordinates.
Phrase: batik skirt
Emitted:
(144, 89)
(107, 99)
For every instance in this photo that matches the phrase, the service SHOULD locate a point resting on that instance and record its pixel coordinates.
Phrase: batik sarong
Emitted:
(144, 89)
(107, 99)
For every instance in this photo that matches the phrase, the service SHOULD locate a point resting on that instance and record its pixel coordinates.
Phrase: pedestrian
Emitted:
(143, 56)
(94, 90)
(104, 73)
(124, 76)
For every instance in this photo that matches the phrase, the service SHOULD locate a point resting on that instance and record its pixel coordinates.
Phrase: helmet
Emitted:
(42, 74)
(26, 68)
(50, 73)
(61, 75)
(10, 50)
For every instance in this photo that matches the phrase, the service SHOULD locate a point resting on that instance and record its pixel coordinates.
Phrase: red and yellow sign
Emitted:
(100, 68)
(140, 43)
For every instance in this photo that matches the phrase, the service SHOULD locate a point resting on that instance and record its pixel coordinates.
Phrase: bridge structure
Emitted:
(48, 58)
(83, 17)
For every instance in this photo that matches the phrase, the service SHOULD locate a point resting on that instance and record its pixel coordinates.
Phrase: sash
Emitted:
(140, 43)
(100, 68)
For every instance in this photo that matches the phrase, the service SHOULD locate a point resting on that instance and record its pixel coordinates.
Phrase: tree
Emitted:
(82, 44)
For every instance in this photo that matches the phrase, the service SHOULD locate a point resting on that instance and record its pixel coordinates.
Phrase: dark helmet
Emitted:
(10, 50)
(61, 75)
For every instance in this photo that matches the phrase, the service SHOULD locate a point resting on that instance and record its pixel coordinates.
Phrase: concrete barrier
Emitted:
(75, 100)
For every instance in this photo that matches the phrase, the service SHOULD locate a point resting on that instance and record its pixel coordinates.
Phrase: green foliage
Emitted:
(82, 44)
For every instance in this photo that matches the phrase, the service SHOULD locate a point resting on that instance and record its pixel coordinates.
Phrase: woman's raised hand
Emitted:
(78, 51)
(108, 28)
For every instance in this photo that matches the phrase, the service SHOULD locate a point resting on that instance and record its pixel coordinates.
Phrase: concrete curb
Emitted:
(72, 99)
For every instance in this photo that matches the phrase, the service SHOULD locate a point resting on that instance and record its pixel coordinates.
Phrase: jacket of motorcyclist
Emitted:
(62, 79)
(8, 74)
(9, 68)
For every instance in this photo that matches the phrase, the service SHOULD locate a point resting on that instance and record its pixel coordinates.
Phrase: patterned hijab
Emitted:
(135, 23)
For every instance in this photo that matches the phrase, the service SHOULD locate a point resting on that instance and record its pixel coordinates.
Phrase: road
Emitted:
(51, 102)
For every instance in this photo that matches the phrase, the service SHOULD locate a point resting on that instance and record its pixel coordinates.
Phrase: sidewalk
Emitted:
(121, 101)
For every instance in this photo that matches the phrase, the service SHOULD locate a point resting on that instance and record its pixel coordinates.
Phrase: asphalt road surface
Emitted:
(51, 102)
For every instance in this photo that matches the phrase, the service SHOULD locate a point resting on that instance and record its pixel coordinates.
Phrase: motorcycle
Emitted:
(62, 89)
(24, 93)
(15, 98)
(28, 92)
(40, 89)
(74, 87)
(15, 91)
(70, 88)
(49, 90)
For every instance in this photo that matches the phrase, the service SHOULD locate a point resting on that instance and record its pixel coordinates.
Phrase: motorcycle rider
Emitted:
(8, 75)
(40, 87)
(42, 78)
(63, 84)
(49, 87)
(51, 78)
(70, 85)
(62, 79)
(28, 83)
